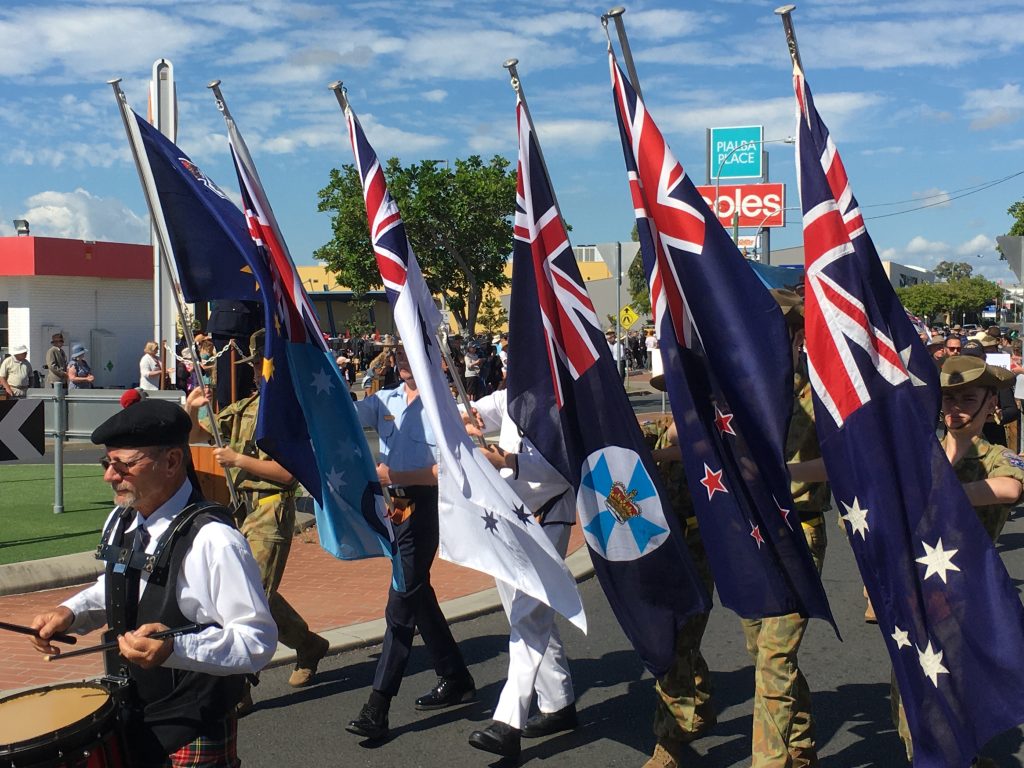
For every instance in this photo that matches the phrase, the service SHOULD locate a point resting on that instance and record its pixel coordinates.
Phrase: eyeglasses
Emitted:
(122, 467)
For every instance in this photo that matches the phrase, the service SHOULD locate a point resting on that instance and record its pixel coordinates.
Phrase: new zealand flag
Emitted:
(950, 617)
(565, 395)
(729, 374)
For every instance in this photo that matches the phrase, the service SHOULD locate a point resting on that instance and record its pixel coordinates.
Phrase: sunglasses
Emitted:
(122, 467)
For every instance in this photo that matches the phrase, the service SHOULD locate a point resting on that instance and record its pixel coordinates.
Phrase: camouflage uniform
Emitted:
(982, 461)
(783, 733)
(270, 525)
(684, 711)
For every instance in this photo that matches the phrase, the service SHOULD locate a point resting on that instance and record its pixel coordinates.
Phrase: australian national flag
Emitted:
(307, 421)
(950, 617)
(729, 374)
(207, 231)
(565, 395)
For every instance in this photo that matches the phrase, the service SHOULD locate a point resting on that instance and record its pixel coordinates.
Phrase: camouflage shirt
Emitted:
(802, 445)
(982, 461)
(237, 425)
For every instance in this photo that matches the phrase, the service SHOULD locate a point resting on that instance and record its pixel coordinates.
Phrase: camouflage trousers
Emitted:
(269, 529)
(783, 735)
(684, 711)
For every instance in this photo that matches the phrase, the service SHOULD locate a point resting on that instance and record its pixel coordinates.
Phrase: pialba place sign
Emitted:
(735, 153)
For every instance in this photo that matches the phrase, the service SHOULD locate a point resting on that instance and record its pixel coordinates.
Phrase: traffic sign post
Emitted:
(628, 317)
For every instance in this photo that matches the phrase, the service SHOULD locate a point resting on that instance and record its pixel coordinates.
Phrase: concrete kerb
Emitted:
(371, 633)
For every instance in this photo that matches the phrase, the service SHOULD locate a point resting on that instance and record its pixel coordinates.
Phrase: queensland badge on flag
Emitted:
(566, 397)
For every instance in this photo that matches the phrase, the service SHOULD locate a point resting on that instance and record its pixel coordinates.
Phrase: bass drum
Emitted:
(74, 725)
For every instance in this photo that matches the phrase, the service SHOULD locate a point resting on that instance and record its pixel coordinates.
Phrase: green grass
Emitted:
(29, 529)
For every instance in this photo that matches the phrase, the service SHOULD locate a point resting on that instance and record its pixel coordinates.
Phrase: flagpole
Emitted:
(615, 14)
(156, 214)
(786, 12)
(442, 339)
(517, 86)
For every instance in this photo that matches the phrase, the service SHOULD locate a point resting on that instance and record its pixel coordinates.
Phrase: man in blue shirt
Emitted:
(408, 469)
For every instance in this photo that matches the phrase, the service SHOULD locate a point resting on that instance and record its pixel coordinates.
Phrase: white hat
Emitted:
(19, 349)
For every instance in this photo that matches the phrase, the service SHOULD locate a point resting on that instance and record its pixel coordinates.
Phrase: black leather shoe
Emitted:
(546, 723)
(448, 692)
(498, 739)
(372, 723)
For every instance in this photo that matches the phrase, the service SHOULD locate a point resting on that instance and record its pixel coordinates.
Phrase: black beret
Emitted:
(145, 423)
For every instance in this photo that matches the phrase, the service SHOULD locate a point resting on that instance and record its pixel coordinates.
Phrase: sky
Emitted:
(923, 100)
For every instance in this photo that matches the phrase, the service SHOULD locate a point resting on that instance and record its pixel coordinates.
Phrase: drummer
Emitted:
(183, 689)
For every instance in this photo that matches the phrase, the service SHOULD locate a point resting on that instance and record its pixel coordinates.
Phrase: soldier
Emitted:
(992, 476)
(783, 732)
(269, 521)
(683, 712)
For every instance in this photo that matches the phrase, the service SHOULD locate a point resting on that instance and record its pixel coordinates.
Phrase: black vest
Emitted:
(167, 708)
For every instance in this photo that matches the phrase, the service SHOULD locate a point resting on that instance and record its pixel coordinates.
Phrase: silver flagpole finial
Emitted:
(213, 84)
(114, 81)
(782, 10)
(336, 85)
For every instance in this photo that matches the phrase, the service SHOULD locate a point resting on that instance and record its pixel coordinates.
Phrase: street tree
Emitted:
(1016, 211)
(492, 315)
(953, 270)
(458, 219)
(639, 290)
(924, 299)
(955, 298)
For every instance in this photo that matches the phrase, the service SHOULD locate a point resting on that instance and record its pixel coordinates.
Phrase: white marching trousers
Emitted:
(536, 659)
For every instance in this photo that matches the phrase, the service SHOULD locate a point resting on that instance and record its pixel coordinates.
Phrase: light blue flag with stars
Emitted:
(352, 518)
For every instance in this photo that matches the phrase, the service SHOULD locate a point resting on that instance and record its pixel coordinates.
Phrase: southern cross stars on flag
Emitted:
(951, 618)
(728, 372)
(306, 419)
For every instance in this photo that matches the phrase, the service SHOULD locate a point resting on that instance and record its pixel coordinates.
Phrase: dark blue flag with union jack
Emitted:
(566, 397)
(728, 367)
(950, 617)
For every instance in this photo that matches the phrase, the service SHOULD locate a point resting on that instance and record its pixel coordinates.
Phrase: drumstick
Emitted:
(184, 630)
(58, 638)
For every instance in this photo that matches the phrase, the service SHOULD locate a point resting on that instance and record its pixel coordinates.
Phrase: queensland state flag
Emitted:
(729, 374)
(483, 524)
(949, 614)
(566, 397)
(201, 221)
(306, 420)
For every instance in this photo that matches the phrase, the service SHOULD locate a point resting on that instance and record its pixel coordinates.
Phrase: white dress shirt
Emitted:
(219, 583)
(535, 481)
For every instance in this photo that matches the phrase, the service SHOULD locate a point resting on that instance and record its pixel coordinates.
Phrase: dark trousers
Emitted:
(417, 606)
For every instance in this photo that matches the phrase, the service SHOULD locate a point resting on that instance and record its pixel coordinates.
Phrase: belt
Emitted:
(266, 497)
(408, 491)
(816, 520)
(691, 523)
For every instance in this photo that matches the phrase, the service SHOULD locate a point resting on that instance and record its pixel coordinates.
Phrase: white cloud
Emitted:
(576, 134)
(435, 96)
(978, 244)
(92, 43)
(83, 216)
(935, 198)
(882, 151)
(990, 108)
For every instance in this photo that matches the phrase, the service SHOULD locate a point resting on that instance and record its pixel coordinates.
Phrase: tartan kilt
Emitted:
(217, 751)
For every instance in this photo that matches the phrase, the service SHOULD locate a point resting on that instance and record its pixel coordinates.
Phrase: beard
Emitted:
(125, 497)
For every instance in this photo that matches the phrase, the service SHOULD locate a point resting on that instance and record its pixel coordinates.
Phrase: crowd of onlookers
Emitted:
(997, 345)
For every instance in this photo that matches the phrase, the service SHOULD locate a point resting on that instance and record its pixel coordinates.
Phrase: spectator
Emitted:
(650, 344)
(954, 346)
(16, 372)
(474, 362)
(80, 374)
(56, 361)
(151, 371)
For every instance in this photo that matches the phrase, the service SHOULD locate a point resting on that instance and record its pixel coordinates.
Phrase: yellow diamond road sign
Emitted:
(628, 316)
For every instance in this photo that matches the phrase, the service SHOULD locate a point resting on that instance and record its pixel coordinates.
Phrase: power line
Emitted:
(971, 191)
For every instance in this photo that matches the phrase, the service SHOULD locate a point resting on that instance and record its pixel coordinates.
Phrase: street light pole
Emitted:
(733, 151)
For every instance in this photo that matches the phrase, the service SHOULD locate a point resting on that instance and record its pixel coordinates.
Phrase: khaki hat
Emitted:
(959, 372)
(19, 349)
(985, 340)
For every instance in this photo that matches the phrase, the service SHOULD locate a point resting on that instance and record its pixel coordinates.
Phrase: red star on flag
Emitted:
(755, 534)
(713, 481)
(724, 422)
(784, 512)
